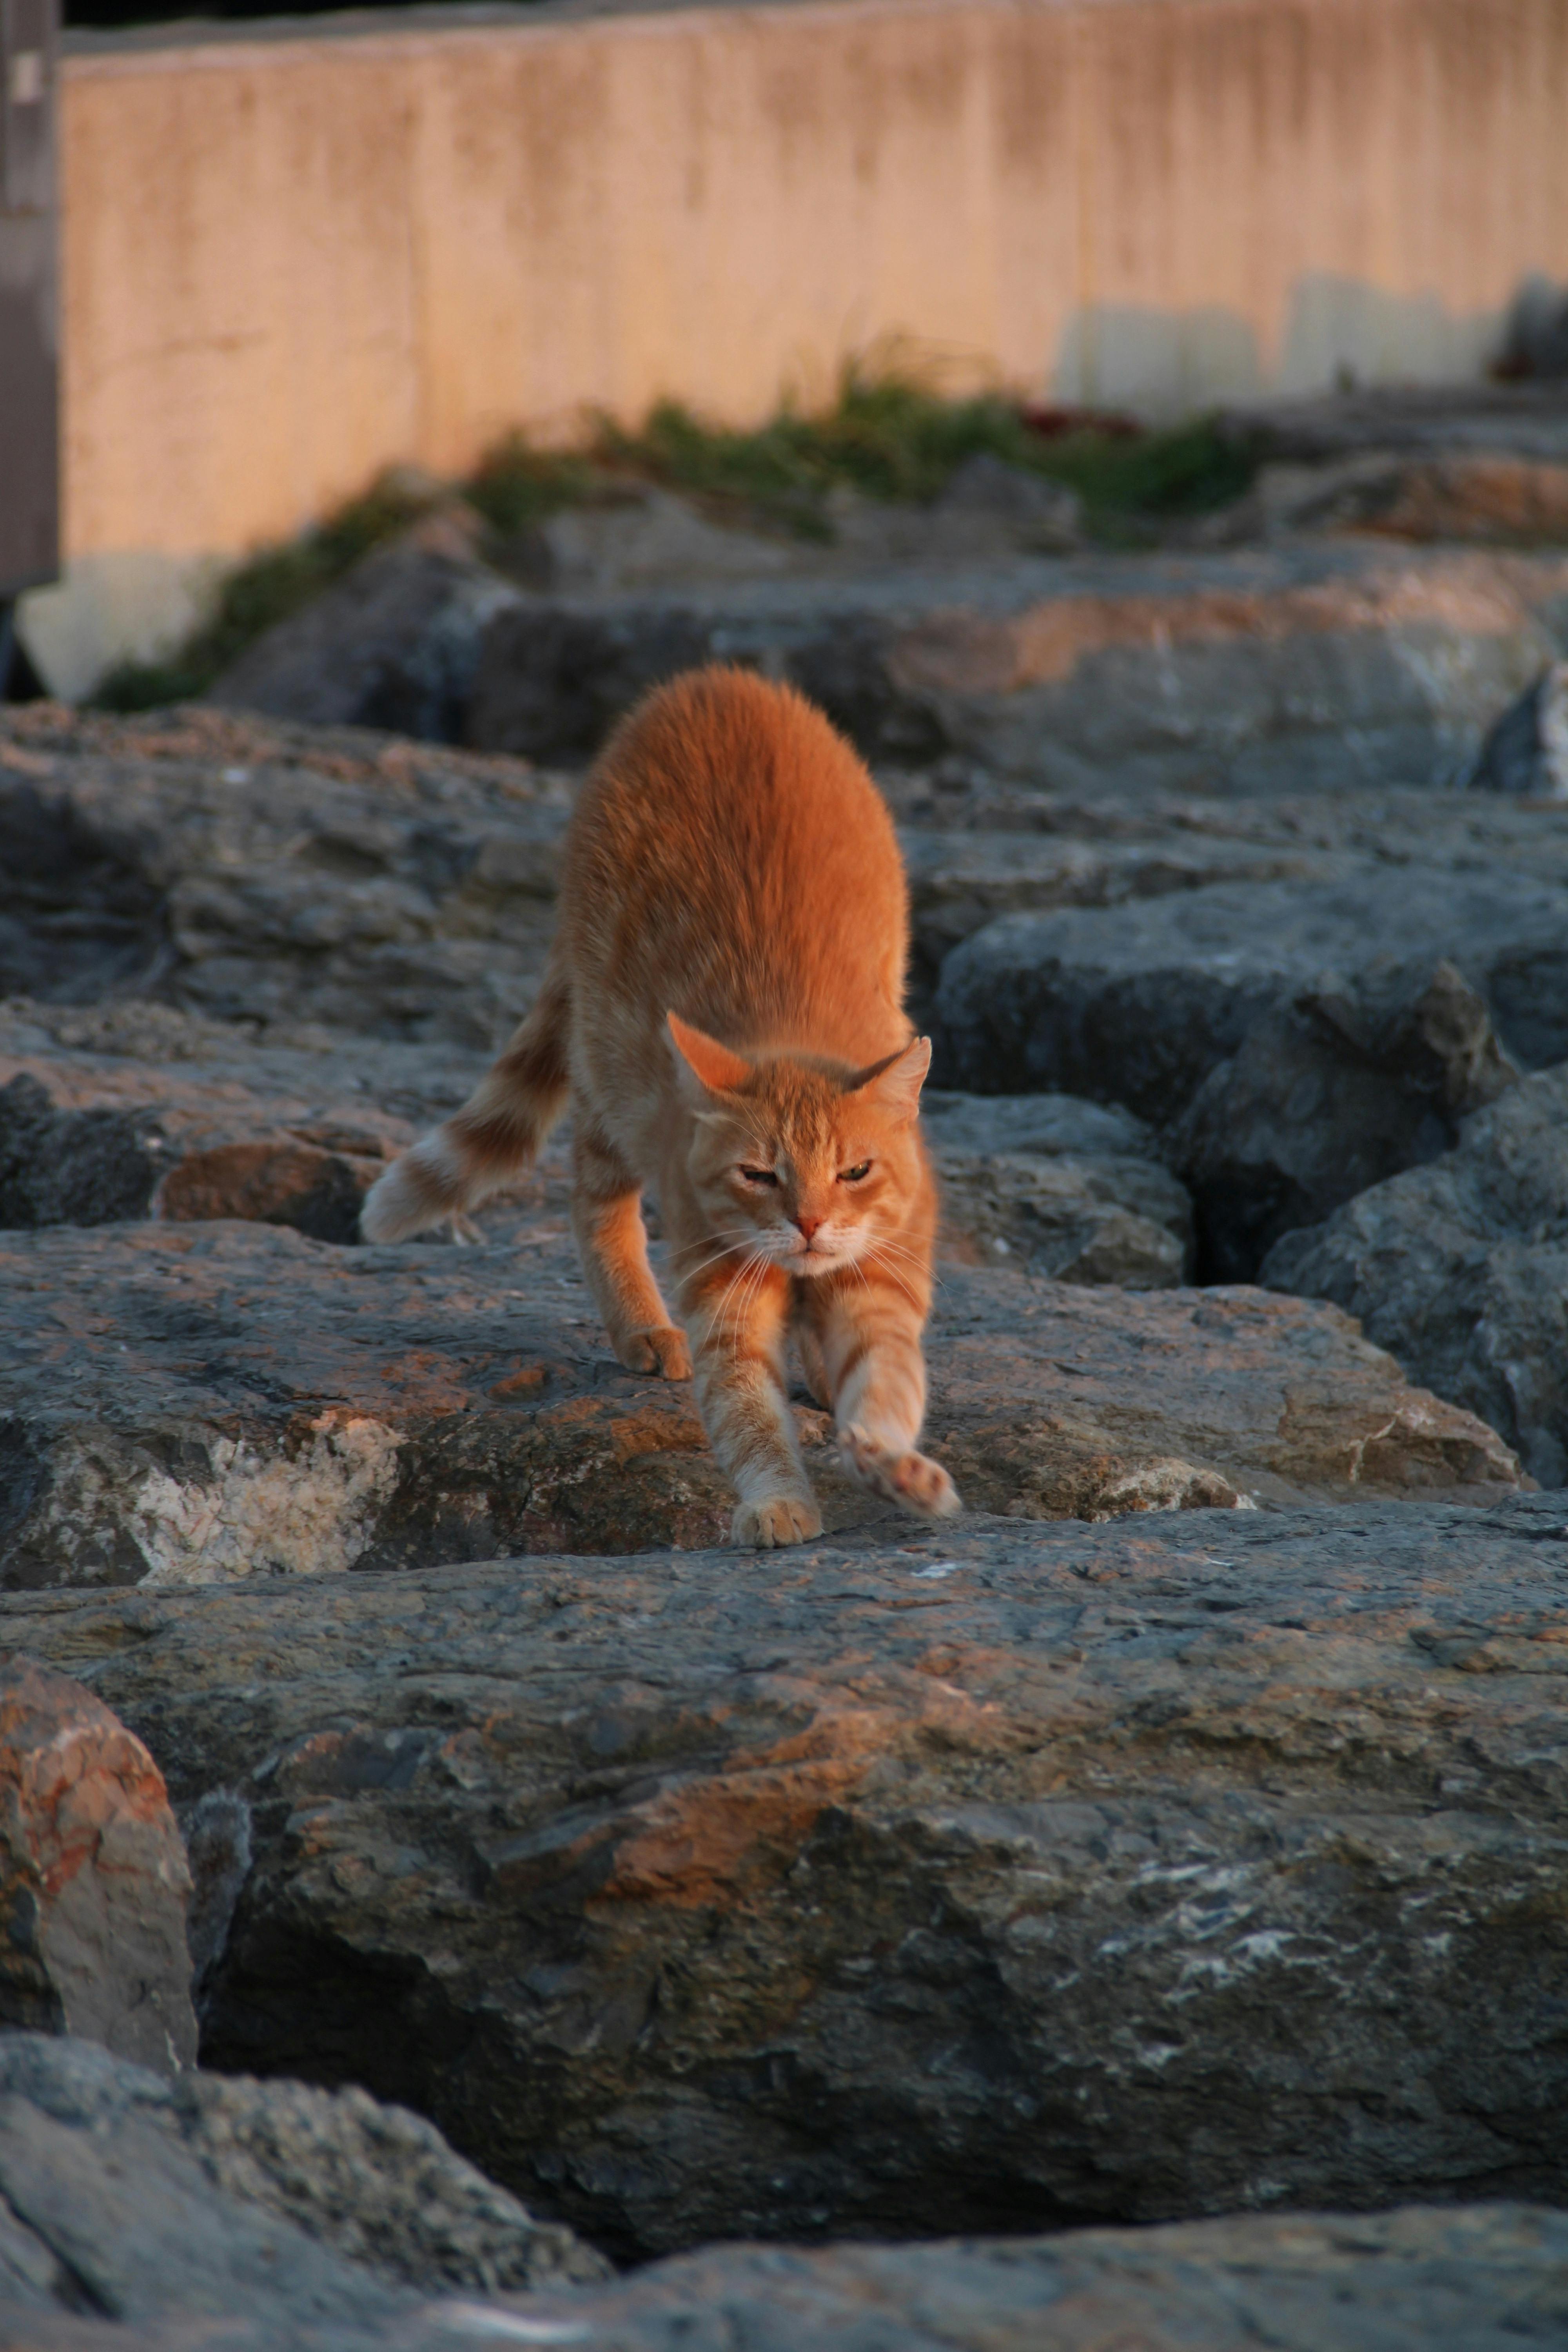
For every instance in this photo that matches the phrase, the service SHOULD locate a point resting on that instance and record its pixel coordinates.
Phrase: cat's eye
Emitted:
(759, 1175)
(855, 1175)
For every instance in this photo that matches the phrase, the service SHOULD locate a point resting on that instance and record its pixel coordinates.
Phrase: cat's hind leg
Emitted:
(869, 1338)
(612, 1242)
(494, 1137)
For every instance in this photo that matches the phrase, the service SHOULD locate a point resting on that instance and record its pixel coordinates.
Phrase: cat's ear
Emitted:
(894, 1085)
(702, 1066)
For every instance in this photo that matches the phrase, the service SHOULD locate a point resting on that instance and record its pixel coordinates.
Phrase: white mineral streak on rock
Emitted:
(1169, 1483)
(312, 1514)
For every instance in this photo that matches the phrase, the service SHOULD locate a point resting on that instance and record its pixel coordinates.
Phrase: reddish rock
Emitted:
(995, 1879)
(94, 1879)
(87, 1140)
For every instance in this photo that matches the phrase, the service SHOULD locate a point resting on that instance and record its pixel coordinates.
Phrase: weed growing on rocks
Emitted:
(887, 435)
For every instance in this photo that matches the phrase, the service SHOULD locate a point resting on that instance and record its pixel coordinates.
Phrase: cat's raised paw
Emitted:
(662, 1349)
(781, 1520)
(899, 1475)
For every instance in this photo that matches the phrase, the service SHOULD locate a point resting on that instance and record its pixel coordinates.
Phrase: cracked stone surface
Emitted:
(1272, 670)
(1139, 1003)
(1063, 1187)
(190, 1403)
(1352, 1083)
(275, 875)
(1462, 1266)
(1032, 1876)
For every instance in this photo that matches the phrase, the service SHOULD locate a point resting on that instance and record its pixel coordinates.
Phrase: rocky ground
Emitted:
(1103, 1859)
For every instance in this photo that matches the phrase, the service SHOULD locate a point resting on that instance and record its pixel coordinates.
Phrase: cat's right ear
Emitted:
(703, 1067)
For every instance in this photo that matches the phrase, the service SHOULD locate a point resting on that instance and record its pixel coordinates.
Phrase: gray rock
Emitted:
(1457, 496)
(1039, 513)
(132, 1050)
(85, 1142)
(1448, 2278)
(92, 1876)
(1077, 1221)
(1527, 751)
(277, 875)
(1138, 1004)
(639, 540)
(238, 1400)
(394, 643)
(376, 2184)
(82, 915)
(72, 1166)
(962, 880)
(1068, 1188)
(275, 2204)
(1021, 1877)
(1286, 670)
(279, 879)
(1462, 1268)
(1483, 2278)
(1356, 1080)
(1052, 1124)
(1512, 419)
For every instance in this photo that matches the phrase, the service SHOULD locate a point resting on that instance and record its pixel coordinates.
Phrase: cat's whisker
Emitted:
(751, 1273)
(727, 1237)
(895, 1276)
(886, 1247)
(693, 1273)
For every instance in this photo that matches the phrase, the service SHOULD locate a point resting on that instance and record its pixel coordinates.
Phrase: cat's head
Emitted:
(800, 1162)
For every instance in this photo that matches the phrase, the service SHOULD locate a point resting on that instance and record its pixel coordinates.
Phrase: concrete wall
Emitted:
(293, 255)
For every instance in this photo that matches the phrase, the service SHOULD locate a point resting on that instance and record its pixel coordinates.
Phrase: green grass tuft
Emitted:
(516, 486)
(264, 590)
(888, 435)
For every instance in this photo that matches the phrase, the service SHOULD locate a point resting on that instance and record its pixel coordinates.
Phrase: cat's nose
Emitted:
(808, 1225)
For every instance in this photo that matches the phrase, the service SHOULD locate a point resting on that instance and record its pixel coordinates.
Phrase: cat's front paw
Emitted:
(899, 1475)
(662, 1349)
(781, 1520)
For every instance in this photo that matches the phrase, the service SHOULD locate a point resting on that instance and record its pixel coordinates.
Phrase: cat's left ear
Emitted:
(702, 1066)
(894, 1085)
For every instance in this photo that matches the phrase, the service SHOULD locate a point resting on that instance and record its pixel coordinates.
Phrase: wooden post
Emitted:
(30, 371)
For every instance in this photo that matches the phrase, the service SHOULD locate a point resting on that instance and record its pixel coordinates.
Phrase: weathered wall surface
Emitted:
(291, 257)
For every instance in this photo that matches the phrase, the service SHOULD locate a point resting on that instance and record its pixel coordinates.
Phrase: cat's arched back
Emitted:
(723, 1009)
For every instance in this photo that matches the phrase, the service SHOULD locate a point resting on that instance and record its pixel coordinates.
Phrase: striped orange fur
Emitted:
(724, 1011)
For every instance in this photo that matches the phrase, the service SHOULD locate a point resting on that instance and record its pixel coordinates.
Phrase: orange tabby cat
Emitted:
(723, 1010)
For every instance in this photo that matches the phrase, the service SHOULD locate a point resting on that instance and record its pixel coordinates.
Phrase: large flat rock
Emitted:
(1471, 2279)
(1138, 1004)
(90, 1139)
(1479, 2278)
(273, 875)
(1283, 670)
(1029, 1876)
(193, 1403)
(288, 886)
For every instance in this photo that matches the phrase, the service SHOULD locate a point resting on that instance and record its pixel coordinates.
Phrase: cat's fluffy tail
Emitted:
(492, 1139)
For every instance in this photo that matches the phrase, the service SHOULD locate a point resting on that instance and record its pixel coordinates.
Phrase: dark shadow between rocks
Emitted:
(80, 918)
